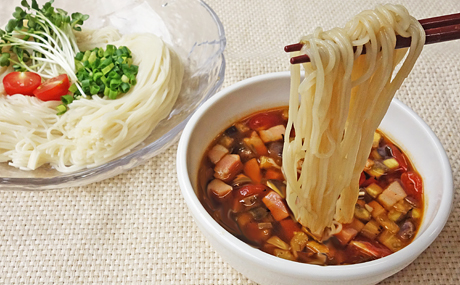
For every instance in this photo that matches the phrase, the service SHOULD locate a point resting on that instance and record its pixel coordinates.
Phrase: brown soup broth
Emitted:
(242, 187)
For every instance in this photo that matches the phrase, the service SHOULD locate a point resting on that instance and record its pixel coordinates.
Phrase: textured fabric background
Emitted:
(135, 228)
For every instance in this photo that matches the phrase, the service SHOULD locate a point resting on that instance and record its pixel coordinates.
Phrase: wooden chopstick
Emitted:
(437, 29)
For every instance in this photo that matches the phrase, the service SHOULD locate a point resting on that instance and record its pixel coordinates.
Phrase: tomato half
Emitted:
(21, 83)
(264, 121)
(53, 89)
(412, 183)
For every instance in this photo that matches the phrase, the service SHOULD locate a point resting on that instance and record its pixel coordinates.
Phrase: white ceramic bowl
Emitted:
(401, 124)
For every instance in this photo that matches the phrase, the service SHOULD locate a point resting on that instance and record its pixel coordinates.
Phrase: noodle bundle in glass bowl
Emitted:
(189, 39)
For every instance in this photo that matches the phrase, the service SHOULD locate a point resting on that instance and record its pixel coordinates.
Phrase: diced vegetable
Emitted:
(299, 241)
(391, 163)
(371, 230)
(403, 206)
(396, 153)
(226, 141)
(275, 204)
(286, 254)
(242, 128)
(289, 228)
(275, 133)
(255, 143)
(275, 174)
(268, 162)
(317, 247)
(377, 209)
(388, 224)
(349, 231)
(391, 195)
(389, 240)
(407, 230)
(240, 180)
(362, 214)
(220, 188)
(252, 170)
(395, 216)
(279, 243)
(217, 152)
(228, 167)
(277, 186)
(416, 213)
(374, 190)
(376, 141)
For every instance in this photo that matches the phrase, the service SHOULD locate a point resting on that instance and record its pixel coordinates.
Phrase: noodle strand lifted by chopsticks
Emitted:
(338, 106)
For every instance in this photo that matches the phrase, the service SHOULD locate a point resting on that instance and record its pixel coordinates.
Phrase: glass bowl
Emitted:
(193, 30)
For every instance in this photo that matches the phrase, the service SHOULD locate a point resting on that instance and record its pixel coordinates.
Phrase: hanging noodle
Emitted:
(338, 106)
(93, 131)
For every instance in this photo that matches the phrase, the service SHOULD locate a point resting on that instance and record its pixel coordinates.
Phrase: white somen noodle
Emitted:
(93, 131)
(338, 106)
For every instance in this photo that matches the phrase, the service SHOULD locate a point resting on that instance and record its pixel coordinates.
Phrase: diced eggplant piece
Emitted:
(275, 151)
(407, 230)
(388, 224)
(275, 133)
(371, 230)
(219, 188)
(217, 152)
(256, 144)
(240, 180)
(226, 141)
(403, 206)
(259, 213)
(317, 247)
(277, 186)
(231, 132)
(391, 195)
(390, 240)
(395, 216)
(362, 214)
(245, 153)
(228, 167)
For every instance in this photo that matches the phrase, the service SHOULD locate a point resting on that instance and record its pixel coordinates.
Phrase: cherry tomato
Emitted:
(249, 190)
(53, 89)
(412, 183)
(21, 83)
(399, 157)
(264, 121)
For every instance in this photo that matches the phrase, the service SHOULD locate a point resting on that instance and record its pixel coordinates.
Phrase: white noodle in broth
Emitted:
(338, 106)
(93, 131)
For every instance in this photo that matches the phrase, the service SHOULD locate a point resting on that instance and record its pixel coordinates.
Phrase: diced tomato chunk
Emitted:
(274, 174)
(412, 183)
(264, 121)
(228, 167)
(288, 228)
(275, 204)
(398, 156)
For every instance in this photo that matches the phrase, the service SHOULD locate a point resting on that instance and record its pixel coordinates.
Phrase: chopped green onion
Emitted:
(67, 99)
(61, 109)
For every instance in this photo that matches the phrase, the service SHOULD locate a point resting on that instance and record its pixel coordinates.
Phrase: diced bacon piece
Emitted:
(217, 152)
(391, 195)
(255, 143)
(228, 167)
(220, 188)
(275, 133)
(275, 204)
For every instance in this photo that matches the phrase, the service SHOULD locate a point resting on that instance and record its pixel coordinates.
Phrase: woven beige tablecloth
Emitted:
(135, 228)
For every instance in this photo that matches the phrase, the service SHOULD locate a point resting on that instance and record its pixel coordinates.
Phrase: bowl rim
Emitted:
(115, 166)
(345, 272)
